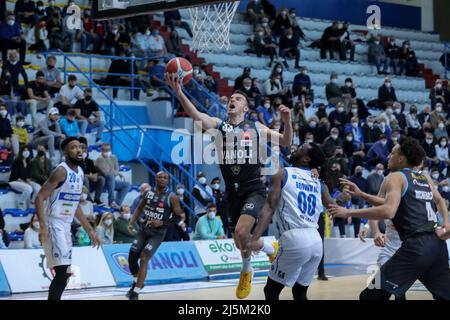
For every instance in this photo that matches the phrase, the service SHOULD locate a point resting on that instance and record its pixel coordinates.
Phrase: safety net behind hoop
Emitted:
(211, 26)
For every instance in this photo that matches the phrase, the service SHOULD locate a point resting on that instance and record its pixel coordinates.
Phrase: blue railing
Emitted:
(110, 126)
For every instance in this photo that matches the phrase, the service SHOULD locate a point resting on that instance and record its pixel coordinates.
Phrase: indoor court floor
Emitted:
(345, 283)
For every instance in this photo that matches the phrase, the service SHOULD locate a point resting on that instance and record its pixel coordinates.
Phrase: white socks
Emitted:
(246, 265)
(268, 248)
(137, 290)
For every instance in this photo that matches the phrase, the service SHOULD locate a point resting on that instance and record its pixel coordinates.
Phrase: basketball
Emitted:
(182, 68)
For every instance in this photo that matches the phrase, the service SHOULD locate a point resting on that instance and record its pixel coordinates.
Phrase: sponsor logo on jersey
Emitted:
(249, 206)
(236, 170)
(421, 184)
(69, 196)
(423, 195)
(151, 215)
(418, 176)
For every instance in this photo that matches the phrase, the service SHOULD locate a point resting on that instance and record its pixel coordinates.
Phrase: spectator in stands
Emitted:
(338, 116)
(442, 153)
(52, 7)
(348, 91)
(52, 75)
(238, 81)
(172, 19)
(346, 43)
(91, 177)
(25, 11)
(41, 166)
(384, 127)
(330, 143)
(264, 45)
(371, 132)
(392, 52)
(40, 10)
(266, 112)
(282, 23)
(430, 150)
(141, 42)
(269, 9)
(82, 238)
(108, 167)
(273, 87)
(20, 178)
(386, 93)
(399, 115)
(408, 61)
(378, 56)
(356, 130)
(413, 121)
(209, 226)
(121, 232)
(174, 43)
(105, 228)
(185, 201)
(5, 129)
(37, 37)
(89, 116)
(14, 68)
(437, 115)
(333, 175)
(388, 115)
(20, 134)
(142, 190)
(86, 206)
(203, 195)
(89, 35)
(125, 67)
(57, 34)
(330, 41)
(340, 158)
(37, 96)
(11, 38)
(177, 231)
(116, 41)
(361, 182)
(254, 12)
(302, 83)
(157, 44)
(375, 179)
(69, 94)
(424, 116)
(289, 48)
(49, 132)
(221, 203)
(441, 131)
(203, 77)
(353, 153)
(69, 125)
(440, 94)
(379, 152)
(332, 91)
(298, 32)
(345, 200)
(31, 235)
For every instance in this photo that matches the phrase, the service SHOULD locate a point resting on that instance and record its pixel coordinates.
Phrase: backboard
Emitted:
(109, 9)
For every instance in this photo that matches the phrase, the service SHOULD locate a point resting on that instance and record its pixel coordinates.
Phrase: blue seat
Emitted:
(5, 169)
(95, 148)
(16, 236)
(15, 212)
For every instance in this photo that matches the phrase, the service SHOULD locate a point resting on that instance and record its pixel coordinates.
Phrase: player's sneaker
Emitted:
(134, 295)
(245, 285)
(274, 254)
(131, 290)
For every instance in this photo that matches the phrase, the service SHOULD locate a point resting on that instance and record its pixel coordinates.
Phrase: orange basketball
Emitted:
(181, 67)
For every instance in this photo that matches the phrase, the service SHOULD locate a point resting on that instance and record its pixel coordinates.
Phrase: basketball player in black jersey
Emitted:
(160, 206)
(423, 255)
(236, 140)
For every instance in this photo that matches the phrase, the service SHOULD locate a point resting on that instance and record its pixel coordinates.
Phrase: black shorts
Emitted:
(250, 203)
(148, 241)
(423, 257)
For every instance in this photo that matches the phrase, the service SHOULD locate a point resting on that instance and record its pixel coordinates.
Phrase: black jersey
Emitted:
(157, 207)
(239, 156)
(415, 213)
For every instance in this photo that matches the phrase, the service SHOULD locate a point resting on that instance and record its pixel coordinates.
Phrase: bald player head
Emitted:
(144, 187)
(162, 180)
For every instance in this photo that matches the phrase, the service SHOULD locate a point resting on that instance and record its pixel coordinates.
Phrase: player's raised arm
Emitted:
(208, 122)
(285, 138)
(56, 177)
(267, 211)
(395, 183)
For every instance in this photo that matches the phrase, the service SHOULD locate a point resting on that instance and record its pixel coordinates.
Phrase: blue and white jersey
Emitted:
(64, 200)
(300, 203)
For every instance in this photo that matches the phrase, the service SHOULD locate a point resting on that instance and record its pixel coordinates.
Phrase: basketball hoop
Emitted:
(211, 26)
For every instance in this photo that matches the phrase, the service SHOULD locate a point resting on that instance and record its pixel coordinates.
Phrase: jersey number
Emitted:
(307, 204)
(72, 178)
(430, 212)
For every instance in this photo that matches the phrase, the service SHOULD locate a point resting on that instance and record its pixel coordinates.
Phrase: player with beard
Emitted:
(62, 191)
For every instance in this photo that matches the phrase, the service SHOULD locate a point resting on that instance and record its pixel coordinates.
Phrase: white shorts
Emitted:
(58, 247)
(299, 255)
(391, 245)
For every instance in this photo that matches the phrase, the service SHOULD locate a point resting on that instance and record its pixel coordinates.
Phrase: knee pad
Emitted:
(299, 292)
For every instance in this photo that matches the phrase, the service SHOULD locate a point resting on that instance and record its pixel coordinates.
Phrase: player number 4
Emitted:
(430, 212)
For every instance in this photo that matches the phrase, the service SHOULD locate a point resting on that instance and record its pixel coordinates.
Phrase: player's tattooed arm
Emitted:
(267, 211)
(95, 240)
(394, 186)
(208, 122)
(56, 177)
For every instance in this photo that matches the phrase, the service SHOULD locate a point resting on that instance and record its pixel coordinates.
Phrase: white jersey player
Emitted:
(296, 200)
(62, 191)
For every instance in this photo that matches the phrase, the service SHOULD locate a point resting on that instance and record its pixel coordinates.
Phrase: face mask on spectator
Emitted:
(42, 8)
(108, 222)
(267, 105)
(11, 22)
(107, 154)
(398, 111)
(313, 124)
(383, 142)
(147, 33)
(247, 87)
(216, 186)
(443, 143)
(387, 84)
(180, 191)
(115, 31)
(334, 136)
(309, 141)
(305, 72)
(265, 24)
(279, 70)
(370, 124)
(289, 36)
(439, 86)
(20, 124)
(439, 109)
(348, 84)
(3, 113)
(429, 141)
(340, 109)
(355, 110)
(355, 125)
(26, 154)
(394, 138)
(211, 215)
(127, 216)
(389, 111)
(349, 138)
(202, 180)
(380, 172)
(261, 34)
(333, 80)
(84, 196)
(383, 125)
(441, 126)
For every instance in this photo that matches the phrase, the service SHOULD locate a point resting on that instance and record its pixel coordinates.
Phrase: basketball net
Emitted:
(211, 26)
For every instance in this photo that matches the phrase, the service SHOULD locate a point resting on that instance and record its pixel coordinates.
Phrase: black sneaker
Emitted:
(134, 296)
(131, 290)
(322, 277)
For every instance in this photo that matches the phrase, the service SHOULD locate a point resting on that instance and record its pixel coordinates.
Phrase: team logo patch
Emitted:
(249, 206)
(121, 261)
(149, 247)
(227, 127)
(236, 170)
